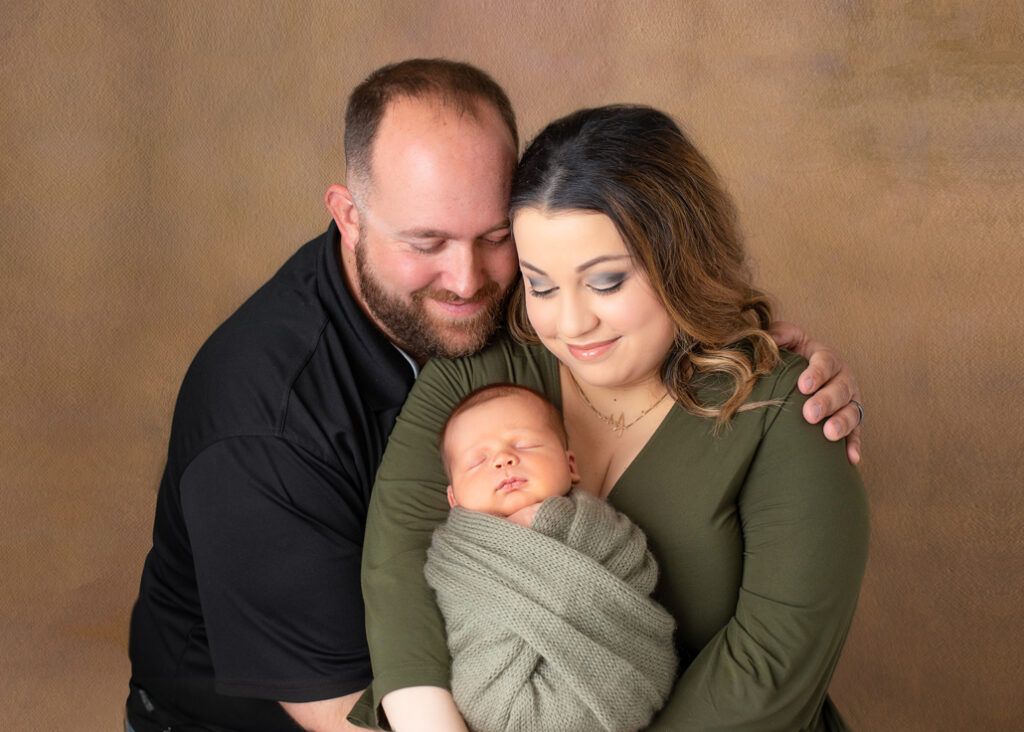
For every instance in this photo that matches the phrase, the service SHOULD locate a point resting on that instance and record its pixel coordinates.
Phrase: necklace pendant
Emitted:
(618, 424)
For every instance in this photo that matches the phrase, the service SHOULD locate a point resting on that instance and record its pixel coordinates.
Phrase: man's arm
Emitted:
(276, 549)
(328, 715)
(832, 383)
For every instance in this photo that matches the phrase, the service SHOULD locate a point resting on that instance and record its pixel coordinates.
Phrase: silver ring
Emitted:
(860, 409)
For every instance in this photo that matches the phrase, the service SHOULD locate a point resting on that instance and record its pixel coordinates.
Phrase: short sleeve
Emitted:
(276, 537)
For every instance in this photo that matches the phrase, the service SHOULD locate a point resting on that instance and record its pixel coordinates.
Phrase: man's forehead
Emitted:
(435, 173)
(411, 124)
(432, 108)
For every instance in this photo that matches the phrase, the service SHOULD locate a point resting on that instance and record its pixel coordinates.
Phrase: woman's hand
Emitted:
(830, 379)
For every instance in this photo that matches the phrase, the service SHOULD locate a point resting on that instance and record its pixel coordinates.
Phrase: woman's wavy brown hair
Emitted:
(634, 164)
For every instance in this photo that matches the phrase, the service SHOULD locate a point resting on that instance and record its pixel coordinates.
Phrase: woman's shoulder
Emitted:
(780, 382)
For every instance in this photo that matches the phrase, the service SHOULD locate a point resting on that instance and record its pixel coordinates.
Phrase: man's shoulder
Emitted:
(242, 377)
(263, 344)
(298, 360)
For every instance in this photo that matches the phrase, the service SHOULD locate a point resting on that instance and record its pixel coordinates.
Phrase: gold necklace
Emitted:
(618, 424)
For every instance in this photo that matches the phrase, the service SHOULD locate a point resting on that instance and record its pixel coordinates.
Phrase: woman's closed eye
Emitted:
(606, 283)
(540, 288)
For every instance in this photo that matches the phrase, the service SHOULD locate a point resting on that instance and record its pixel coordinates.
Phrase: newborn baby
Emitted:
(505, 450)
(545, 590)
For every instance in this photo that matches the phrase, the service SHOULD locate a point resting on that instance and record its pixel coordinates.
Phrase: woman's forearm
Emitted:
(422, 709)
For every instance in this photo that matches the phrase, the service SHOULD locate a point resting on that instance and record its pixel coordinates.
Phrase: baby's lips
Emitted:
(510, 483)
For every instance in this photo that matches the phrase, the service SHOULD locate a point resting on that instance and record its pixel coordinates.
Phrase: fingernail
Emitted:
(808, 383)
(816, 411)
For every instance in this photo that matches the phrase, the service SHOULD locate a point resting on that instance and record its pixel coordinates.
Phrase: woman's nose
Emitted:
(575, 318)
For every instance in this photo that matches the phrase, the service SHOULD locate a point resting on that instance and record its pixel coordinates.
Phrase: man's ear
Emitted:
(452, 503)
(342, 206)
(573, 473)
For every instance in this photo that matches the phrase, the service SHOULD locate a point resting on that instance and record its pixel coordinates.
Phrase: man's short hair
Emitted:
(454, 84)
(488, 392)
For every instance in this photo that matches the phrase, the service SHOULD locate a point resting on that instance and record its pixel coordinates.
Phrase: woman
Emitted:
(641, 323)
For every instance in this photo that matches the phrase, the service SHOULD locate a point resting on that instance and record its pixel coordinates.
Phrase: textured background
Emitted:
(160, 160)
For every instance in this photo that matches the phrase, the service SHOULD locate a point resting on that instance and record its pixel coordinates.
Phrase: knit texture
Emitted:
(552, 628)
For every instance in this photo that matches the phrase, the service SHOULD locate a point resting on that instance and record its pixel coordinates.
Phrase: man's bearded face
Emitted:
(421, 332)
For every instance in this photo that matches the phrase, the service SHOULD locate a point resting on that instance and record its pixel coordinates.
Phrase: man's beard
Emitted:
(419, 332)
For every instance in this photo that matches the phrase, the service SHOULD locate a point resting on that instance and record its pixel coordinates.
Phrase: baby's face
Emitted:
(504, 455)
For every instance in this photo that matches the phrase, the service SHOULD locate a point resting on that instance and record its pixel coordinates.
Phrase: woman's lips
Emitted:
(588, 351)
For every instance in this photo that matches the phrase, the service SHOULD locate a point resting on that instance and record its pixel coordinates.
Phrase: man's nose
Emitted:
(464, 269)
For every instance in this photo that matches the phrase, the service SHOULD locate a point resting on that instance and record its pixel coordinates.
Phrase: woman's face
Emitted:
(587, 301)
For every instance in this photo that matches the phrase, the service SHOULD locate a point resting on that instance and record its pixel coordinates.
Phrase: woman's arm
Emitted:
(830, 383)
(423, 708)
(404, 628)
(805, 531)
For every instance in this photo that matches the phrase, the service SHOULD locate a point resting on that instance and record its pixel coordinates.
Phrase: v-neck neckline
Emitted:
(556, 382)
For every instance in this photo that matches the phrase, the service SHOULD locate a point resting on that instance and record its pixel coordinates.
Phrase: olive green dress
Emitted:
(761, 532)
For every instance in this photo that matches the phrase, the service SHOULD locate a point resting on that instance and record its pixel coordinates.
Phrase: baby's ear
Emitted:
(573, 473)
(451, 498)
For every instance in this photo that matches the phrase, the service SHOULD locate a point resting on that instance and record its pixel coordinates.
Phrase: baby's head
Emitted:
(504, 447)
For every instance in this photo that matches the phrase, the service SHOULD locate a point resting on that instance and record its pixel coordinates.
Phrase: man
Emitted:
(249, 614)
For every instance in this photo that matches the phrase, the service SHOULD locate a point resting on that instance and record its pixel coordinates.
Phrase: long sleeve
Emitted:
(760, 531)
(803, 516)
(405, 630)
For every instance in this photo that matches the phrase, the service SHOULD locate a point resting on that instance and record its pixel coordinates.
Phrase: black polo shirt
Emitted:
(250, 594)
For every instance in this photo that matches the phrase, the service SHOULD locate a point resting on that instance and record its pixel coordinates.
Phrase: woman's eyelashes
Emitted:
(540, 288)
(602, 284)
(606, 282)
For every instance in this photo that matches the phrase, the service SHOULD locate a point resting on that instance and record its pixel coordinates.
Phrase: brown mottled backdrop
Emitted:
(160, 160)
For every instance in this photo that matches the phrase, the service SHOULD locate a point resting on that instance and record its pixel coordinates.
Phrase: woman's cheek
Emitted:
(539, 313)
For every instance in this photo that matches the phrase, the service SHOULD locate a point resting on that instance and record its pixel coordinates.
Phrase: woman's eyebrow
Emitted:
(586, 265)
(598, 260)
(527, 265)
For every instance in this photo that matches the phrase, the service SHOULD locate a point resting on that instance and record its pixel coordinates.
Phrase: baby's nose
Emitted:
(505, 459)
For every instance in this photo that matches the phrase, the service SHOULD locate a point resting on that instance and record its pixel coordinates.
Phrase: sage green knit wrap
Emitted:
(552, 628)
